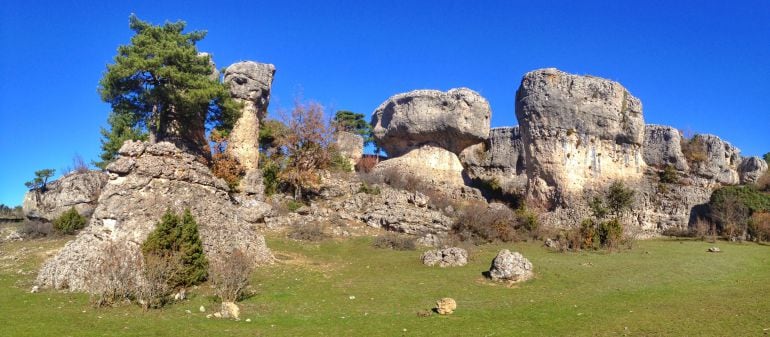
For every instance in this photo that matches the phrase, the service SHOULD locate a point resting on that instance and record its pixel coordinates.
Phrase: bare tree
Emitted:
(230, 275)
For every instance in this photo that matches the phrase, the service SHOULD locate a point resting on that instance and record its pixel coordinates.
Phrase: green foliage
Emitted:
(354, 123)
(394, 241)
(369, 189)
(619, 197)
(752, 198)
(41, 180)
(271, 132)
(164, 87)
(766, 157)
(610, 233)
(293, 205)
(598, 210)
(669, 175)
(178, 236)
(339, 162)
(123, 127)
(69, 222)
(270, 172)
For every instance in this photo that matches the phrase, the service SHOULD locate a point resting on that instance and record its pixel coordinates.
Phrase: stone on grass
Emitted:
(230, 310)
(448, 257)
(512, 267)
(714, 250)
(446, 306)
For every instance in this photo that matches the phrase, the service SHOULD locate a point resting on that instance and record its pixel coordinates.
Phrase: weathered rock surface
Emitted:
(751, 168)
(721, 162)
(662, 147)
(446, 306)
(350, 145)
(250, 84)
(579, 133)
(145, 181)
(451, 120)
(448, 257)
(79, 190)
(511, 267)
(427, 163)
(499, 159)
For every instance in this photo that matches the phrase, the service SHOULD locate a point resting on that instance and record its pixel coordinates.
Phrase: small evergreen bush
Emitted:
(178, 236)
(69, 222)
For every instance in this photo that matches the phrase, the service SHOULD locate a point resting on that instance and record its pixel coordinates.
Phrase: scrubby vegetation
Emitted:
(395, 241)
(604, 229)
(694, 150)
(230, 275)
(176, 240)
(69, 222)
(732, 208)
(308, 232)
(479, 223)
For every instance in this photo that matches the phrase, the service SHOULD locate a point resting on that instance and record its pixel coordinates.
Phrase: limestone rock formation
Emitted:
(79, 190)
(511, 267)
(579, 132)
(499, 159)
(145, 181)
(721, 160)
(451, 120)
(662, 147)
(428, 163)
(751, 168)
(350, 145)
(448, 257)
(250, 84)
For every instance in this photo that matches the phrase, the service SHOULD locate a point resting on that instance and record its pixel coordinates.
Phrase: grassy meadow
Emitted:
(346, 287)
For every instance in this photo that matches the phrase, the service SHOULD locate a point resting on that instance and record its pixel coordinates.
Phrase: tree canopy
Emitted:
(354, 123)
(40, 182)
(162, 85)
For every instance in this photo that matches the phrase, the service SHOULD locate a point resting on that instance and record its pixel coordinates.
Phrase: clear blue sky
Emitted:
(697, 65)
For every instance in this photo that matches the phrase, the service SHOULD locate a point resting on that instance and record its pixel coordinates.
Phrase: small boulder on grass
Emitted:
(230, 310)
(714, 250)
(511, 267)
(446, 306)
(449, 257)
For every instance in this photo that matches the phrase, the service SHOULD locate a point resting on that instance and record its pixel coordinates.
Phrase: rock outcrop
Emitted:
(250, 84)
(350, 145)
(79, 190)
(447, 257)
(512, 267)
(500, 159)
(145, 181)
(579, 133)
(429, 164)
(451, 120)
(751, 168)
(720, 162)
(663, 146)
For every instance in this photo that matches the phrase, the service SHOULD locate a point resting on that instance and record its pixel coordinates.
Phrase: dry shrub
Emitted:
(228, 168)
(395, 241)
(366, 163)
(702, 228)
(480, 224)
(116, 276)
(763, 183)
(308, 232)
(759, 227)
(230, 275)
(694, 150)
(159, 271)
(33, 229)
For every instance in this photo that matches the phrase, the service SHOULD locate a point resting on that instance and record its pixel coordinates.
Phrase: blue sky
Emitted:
(702, 66)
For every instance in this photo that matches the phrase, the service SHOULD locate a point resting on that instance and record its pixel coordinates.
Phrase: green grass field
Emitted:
(347, 288)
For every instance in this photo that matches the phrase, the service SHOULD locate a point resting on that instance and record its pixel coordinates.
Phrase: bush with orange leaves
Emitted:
(223, 165)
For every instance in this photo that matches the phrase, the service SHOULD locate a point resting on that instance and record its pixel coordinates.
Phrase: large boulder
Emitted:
(579, 133)
(751, 168)
(500, 159)
(447, 257)
(719, 159)
(250, 84)
(662, 147)
(145, 181)
(350, 145)
(78, 189)
(451, 120)
(512, 267)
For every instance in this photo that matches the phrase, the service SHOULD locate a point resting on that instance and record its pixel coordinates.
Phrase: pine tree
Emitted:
(160, 84)
(354, 123)
(175, 236)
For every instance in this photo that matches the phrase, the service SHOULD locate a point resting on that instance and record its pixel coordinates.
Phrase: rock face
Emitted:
(350, 145)
(250, 84)
(428, 163)
(663, 146)
(721, 162)
(579, 132)
(751, 169)
(500, 159)
(451, 120)
(79, 190)
(509, 266)
(448, 257)
(145, 181)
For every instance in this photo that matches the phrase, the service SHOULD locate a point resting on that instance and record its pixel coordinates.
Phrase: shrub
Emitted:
(69, 222)
(270, 172)
(694, 150)
(293, 205)
(763, 183)
(177, 238)
(369, 189)
(395, 241)
(308, 232)
(610, 233)
(35, 229)
(759, 226)
(366, 163)
(619, 197)
(161, 271)
(115, 279)
(480, 224)
(338, 162)
(230, 275)
(668, 175)
(227, 167)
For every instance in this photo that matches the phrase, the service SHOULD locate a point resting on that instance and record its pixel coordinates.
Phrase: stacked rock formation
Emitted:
(423, 132)
(145, 181)
(79, 190)
(499, 160)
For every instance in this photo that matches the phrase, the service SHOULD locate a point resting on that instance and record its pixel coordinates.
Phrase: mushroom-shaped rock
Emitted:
(249, 84)
(578, 132)
(751, 169)
(663, 146)
(452, 120)
(512, 267)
